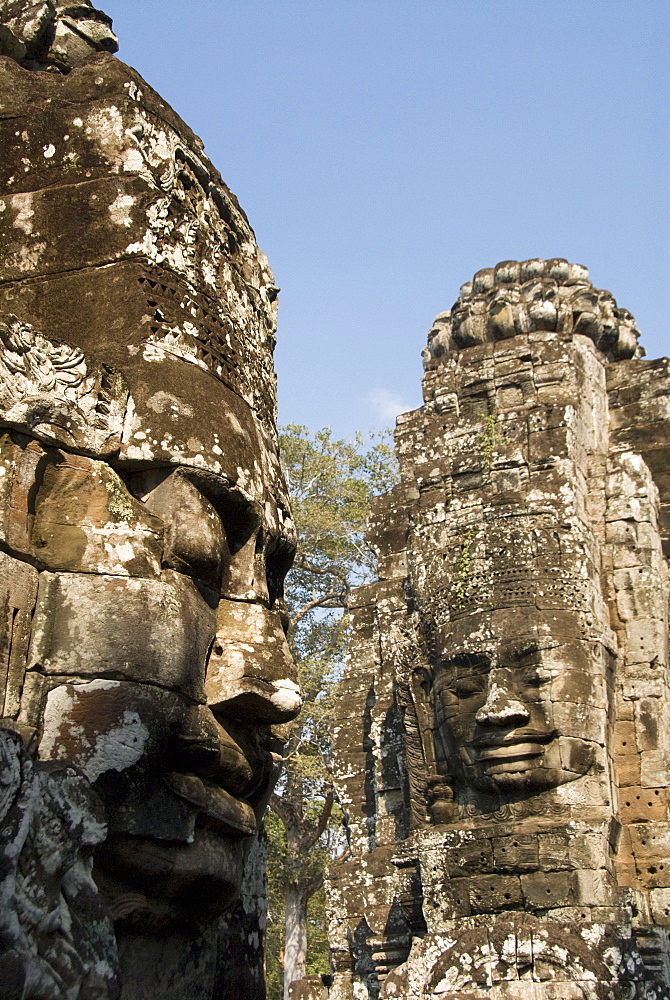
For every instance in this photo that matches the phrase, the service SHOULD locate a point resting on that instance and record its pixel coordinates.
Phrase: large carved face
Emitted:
(144, 525)
(145, 582)
(526, 712)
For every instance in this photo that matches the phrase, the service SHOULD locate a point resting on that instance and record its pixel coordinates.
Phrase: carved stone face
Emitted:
(149, 620)
(144, 522)
(526, 713)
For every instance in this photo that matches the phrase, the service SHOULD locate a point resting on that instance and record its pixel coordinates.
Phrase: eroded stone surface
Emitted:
(502, 754)
(145, 529)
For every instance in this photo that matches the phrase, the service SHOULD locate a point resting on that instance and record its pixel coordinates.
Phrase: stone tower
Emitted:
(503, 751)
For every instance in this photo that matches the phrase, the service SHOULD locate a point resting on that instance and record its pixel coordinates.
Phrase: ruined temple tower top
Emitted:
(54, 36)
(518, 297)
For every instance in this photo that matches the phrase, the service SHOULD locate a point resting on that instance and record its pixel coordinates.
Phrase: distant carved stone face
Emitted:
(524, 715)
(505, 547)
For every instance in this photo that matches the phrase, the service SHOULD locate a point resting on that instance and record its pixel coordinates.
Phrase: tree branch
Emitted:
(309, 839)
(311, 885)
(281, 808)
(330, 569)
(334, 599)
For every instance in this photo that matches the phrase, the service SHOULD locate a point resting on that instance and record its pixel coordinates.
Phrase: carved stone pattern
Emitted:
(56, 938)
(211, 339)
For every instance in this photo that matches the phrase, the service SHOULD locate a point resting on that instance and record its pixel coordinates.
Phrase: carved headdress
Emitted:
(52, 35)
(534, 295)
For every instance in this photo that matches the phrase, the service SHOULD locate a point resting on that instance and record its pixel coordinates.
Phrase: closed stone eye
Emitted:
(467, 690)
(537, 680)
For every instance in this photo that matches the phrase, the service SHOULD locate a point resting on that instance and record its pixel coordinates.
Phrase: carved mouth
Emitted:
(519, 744)
(220, 809)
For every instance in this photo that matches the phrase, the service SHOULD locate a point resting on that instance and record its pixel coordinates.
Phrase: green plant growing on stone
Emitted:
(490, 437)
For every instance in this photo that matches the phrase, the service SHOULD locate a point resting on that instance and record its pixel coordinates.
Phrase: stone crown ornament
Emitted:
(54, 36)
(47, 389)
(515, 297)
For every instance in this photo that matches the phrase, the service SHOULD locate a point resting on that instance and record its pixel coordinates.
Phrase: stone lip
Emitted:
(523, 738)
(220, 808)
(154, 884)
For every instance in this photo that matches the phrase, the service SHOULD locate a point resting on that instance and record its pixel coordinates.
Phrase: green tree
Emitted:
(331, 483)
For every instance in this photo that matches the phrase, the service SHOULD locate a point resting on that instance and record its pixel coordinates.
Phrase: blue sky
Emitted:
(385, 150)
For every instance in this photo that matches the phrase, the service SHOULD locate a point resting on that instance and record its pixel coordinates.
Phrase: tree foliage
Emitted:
(331, 483)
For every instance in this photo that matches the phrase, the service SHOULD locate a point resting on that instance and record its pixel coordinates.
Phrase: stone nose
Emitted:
(501, 708)
(250, 673)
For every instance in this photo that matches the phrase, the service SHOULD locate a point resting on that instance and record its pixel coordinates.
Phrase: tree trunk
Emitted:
(295, 946)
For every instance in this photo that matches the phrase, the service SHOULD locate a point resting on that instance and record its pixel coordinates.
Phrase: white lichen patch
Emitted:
(287, 695)
(29, 257)
(118, 749)
(175, 343)
(134, 92)
(166, 402)
(120, 210)
(209, 273)
(106, 124)
(133, 161)
(121, 552)
(22, 204)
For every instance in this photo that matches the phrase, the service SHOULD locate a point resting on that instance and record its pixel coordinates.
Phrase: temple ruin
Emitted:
(502, 751)
(503, 748)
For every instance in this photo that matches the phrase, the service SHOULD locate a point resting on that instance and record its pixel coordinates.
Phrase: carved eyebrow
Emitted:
(536, 646)
(466, 664)
(241, 516)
